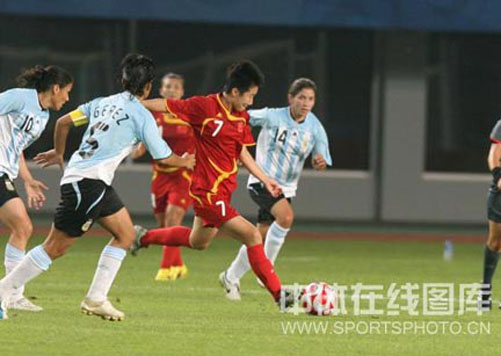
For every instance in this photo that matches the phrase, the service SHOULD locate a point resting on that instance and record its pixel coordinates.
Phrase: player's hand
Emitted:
(318, 162)
(49, 158)
(273, 187)
(34, 192)
(189, 160)
(499, 185)
(138, 151)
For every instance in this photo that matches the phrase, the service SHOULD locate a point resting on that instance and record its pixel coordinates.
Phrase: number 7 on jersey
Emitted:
(219, 124)
(223, 208)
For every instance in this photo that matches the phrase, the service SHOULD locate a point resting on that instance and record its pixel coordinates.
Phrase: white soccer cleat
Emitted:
(232, 289)
(103, 309)
(23, 304)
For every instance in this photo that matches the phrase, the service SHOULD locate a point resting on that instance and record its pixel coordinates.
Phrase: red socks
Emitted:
(168, 236)
(263, 268)
(171, 257)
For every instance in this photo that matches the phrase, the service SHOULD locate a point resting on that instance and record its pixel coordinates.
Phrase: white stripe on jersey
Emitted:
(283, 145)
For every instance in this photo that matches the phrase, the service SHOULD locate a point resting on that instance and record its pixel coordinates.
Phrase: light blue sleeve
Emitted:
(149, 134)
(322, 143)
(87, 107)
(259, 117)
(11, 101)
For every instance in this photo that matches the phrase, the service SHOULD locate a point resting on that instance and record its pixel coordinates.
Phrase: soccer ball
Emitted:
(319, 299)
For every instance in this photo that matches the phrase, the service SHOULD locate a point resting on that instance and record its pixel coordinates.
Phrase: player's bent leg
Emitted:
(55, 245)
(121, 227)
(240, 265)
(168, 236)
(36, 261)
(248, 234)
(201, 236)
(283, 213)
(96, 302)
(491, 256)
(14, 216)
(275, 236)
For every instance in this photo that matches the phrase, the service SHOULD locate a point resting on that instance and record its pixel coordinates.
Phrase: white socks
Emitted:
(13, 256)
(239, 266)
(275, 238)
(107, 268)
(32, 265)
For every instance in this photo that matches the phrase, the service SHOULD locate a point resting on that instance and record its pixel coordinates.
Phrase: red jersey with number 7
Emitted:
(219, 138)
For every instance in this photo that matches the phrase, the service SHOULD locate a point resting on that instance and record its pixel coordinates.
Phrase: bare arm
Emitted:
(256, 171)
(186, 160)
(249, 163)
(55, 156)
(155, 105)
(494, 159)
(34, 188)
(494, 162)
(24, 172)
(139, 151)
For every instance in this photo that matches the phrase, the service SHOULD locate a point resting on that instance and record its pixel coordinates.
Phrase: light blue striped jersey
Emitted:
(22, 121)
(283, 145)
(116, 124)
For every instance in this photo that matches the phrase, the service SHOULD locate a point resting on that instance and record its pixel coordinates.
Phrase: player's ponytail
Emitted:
(243, 75)
(44, 78)
(137, 71)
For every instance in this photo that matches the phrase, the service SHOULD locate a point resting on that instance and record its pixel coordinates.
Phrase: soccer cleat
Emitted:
(24, 304)
(3, 310)
(178, 272)
(484, 302)
(232, 289)
(183, 271)
(485, 305)
(136, 245)
(103, 309)
(164, 275)
(288, 298)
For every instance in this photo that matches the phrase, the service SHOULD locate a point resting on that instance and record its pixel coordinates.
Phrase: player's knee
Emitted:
(126, 239)
(285, 220)
(200, 245)
(255, 238)
(494, 242)
(23, 231)
(55, 250)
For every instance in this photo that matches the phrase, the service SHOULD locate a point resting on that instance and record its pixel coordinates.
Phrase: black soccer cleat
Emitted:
(289, 297)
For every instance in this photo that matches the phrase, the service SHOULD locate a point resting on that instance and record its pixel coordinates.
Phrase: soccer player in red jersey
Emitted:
(222, 132)
(170, 185)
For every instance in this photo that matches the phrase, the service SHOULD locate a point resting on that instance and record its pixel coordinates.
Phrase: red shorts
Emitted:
(214, 211)
(170, 189)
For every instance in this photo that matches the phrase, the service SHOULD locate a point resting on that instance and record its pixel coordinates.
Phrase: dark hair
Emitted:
(243, 75)
(300, 84)
(137, 70)
(43, 78)
(172, 75)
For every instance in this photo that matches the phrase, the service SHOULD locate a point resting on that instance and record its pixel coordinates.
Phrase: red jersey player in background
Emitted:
(221, 125)
(170, 185)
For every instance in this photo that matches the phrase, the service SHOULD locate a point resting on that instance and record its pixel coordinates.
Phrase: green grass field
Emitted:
(191, 316)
